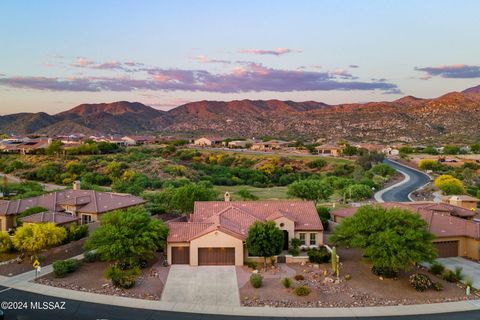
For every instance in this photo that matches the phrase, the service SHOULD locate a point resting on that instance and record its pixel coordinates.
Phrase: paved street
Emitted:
(470, 269)
(206, 285)
(413, 180)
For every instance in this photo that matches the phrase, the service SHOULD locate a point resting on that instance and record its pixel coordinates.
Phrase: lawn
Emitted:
(272, 193)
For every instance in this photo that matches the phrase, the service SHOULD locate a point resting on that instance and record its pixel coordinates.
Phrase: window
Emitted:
(86, 218)
(302, 238)
(313, 239)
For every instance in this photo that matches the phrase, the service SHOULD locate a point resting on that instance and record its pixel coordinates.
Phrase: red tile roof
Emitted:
(442, 219)
(235, 217)
(58, 218)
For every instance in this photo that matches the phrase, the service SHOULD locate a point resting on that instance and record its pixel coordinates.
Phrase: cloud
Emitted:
(251, 77)
(354, 66)
(275, 52)
(110, 65)
(459, 71)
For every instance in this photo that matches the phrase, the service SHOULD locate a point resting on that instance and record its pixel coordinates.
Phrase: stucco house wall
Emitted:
(216, 239)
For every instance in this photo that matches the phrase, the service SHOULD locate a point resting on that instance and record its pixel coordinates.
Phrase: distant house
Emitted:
(329, 150)
(370, 147)
(463, 201)
(140, 140)
(270, 145)
(239, 144)
(86, 205)
(215, 233)
(208, 141)
(391, 151)
(456, 234)
(25, 145)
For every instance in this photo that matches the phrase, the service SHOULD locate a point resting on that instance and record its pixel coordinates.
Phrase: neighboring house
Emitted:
(59, 218)
(370, 147)
(391, 151)
(456, 235)
(329, 150)
(463, 201)
(269, 145)
(86, 205)
(239, 144)
(139, 140)
(34, 145)
(208, 141)
(215, 233)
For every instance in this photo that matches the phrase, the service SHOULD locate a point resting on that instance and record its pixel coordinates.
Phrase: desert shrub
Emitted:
(437, 286)
(122, 278)
(348, 276)
(256, 280)
(436, 268)
(302, 291)
(384, 272)
(251, 264)
(317, 163)
(421, 282)
(299, 277)
(458, 273)
(75, 232)
(294, 251)
(5, 242)
(62, 267)
(449, 275)
(287, 282)
(468, 282)
(90, 256)
(318, 255)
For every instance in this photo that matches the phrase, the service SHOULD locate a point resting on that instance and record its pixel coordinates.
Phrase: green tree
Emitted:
(383, 170)
(449, 184)
(392, 239)
(430, 150)
(5, 242)
(324, 214)
(310, 189)
(475, 148)
(185, 196)
(125, 236)
(265, 240)
(246, 194)
(34, 237)
(349, 150)
(53, 148)
(357, 192)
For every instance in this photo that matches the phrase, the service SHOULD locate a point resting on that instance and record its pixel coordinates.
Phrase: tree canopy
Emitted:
(449, 184)
(126, 236)
(264, 239)
(392, 239)
(310, 189)
(34, 237)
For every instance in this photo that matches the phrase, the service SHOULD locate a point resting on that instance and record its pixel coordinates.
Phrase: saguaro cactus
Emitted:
(334, 261)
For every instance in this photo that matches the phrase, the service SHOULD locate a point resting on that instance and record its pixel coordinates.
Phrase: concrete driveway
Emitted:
(470, 269)
(212, 285)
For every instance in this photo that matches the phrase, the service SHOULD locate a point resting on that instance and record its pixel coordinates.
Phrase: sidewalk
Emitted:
(21, 282)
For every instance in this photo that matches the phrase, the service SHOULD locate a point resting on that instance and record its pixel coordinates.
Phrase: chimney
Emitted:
(76, 185)
(227, 197)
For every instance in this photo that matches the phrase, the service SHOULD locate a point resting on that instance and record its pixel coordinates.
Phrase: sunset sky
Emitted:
(58, 54)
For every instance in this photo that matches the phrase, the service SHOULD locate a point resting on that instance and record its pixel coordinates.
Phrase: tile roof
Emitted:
(235, 217)
(58, 218)
(442, 220)
(87, 201)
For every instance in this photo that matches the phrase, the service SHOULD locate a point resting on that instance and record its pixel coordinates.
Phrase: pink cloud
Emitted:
(275, 52)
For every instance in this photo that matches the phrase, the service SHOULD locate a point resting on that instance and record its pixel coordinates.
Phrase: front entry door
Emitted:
(285, 240)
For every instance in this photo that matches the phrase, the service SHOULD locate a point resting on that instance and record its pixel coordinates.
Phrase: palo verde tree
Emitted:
(126, 236)
(449, 184)
(265, 240)
(34, 237)
(310, 189)
(392, 239)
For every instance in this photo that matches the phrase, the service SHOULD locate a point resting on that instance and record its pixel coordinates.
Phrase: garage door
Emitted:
(180, 255)
(216, 256)
(447, 249)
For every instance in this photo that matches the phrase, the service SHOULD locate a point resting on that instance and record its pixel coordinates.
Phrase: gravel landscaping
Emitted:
(90, 278)
(364, 288)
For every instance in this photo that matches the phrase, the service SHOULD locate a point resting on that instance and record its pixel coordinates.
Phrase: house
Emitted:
(270, 145)
(391, 151)
(215, 233)
(329, 150)
(208, 141)
(238, 144)
(463, 201)
(139, 140)
(455, 234)
(86, 205)
(58, 218)
(370, 147)
(34, 145)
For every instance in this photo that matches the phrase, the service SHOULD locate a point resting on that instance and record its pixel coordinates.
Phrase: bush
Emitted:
(90, 256)
(437, 286)
(468, 282)
(421, 282)
(5, 242)
(122, 278)
(458, 273)
(75, 232)
(251, 264)
(436, 268)
(299, 277)
(256, 280)
(294, 251)
(287, 282)
(62, 267)
(384, 272)
(302, 291)
(317, 163)
(449, 275)
(318, 255)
